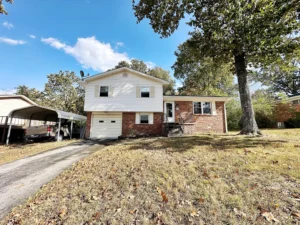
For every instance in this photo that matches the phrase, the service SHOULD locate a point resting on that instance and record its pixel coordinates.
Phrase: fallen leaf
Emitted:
(269, 217)
(296, 214)
(194, 213)
(164, 196)
(201, 200)
(97, 215)
(253, 186)
(239, 213)
(275, 162)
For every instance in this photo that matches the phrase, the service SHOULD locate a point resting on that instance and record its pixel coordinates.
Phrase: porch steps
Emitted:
(174, 130)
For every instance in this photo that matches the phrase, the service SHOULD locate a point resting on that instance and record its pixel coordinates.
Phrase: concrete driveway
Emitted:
(22, 178)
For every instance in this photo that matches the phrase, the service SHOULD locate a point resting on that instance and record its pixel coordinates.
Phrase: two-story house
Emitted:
(125, 102)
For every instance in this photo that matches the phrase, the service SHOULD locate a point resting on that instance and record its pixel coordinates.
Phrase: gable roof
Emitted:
(123, 69)
(9, 96)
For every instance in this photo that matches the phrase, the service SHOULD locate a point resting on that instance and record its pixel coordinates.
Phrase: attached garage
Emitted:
(106, 125)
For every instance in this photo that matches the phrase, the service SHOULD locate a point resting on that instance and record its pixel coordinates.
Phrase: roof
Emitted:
(123, 69)
(195, 98)
(36, 112)
(9, 96)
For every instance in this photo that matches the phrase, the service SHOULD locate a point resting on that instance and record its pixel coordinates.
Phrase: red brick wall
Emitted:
(129, 128)
(202, 123)
(88, 124)
(283, 112)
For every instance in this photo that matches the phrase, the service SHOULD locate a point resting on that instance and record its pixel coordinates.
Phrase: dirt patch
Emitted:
(204, 179)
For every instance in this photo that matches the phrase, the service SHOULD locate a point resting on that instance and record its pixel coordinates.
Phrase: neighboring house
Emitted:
(7, 104)
(284, 110)
(125, 102)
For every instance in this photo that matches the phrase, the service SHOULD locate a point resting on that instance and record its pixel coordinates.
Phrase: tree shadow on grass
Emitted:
(211, 142)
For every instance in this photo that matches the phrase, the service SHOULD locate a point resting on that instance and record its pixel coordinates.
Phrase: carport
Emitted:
(40, 113)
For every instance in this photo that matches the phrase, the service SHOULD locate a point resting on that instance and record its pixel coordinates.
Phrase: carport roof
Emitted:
(36, 112)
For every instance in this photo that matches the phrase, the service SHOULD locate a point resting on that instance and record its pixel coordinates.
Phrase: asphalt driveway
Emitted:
(22, 178)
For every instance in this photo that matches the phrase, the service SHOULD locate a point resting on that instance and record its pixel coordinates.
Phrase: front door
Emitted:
(169, 112)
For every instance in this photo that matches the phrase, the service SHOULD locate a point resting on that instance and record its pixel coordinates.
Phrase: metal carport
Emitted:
(36, 112)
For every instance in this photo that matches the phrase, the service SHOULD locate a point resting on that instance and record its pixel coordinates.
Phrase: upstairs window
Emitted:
(202, 108)
(144, 119)
(145, 92)
(103, 91)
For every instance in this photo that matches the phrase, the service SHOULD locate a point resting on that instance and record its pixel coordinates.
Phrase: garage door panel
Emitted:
(103, 127)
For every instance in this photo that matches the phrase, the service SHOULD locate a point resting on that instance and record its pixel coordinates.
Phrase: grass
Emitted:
(203, 179)
(18, 151)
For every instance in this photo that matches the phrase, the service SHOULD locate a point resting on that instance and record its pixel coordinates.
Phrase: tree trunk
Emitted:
(248, 119)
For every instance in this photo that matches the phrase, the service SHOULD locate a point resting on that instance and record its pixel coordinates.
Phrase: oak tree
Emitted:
(2, 9)
(238, 31)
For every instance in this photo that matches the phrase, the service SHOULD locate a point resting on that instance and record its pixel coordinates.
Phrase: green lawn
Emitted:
(204, 179)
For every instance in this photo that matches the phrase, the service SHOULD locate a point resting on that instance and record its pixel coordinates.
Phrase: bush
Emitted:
(293, 122)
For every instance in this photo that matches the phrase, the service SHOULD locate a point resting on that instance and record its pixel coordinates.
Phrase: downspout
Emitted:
(225, 117)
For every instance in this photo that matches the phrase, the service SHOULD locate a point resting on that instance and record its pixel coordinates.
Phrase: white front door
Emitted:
(169, 112)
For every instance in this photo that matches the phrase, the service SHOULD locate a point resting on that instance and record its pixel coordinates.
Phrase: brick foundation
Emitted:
(200, 123)
(88, 124)
(130, 129)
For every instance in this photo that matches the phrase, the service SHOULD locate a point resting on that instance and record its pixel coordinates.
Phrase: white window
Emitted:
(103, 91)
(145, 92)
(202, 108)
(144, 118)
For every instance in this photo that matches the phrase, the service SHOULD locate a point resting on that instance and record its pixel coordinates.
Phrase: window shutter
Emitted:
(151, 120)
(152, 92)
(97, 91)
(138, 91)
(137, 118)
(111, 91)
(214, 110)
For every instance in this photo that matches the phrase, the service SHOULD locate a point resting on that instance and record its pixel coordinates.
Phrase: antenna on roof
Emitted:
(81, 74)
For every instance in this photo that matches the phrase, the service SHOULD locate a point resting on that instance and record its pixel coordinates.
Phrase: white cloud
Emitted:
(10, 41)
(7, 91)
(120, 44)
(90, 52)
(7, 25)
(150, 65)
(32, 36)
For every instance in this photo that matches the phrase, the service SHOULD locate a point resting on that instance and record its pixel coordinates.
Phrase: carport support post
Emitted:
(58, 133)
(71, 129)
(4, 130)
(9, 129)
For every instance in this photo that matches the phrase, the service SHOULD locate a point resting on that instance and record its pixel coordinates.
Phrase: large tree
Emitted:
(31, 93)
(62, 91)
(238, 31)
(283, 75)
(204, 78)
(2, 9)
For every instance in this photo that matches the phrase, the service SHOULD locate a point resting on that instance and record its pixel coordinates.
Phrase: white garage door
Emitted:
(106, 125)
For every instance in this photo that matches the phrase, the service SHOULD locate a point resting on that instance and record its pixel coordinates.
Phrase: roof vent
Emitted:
(125, 75)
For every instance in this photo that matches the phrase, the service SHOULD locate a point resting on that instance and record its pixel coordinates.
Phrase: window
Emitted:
(197, 108)
(101, 121)
(144, 119)
(113, 121)
(296, 102)
(202, 108)
(145, 92)
(104, 91)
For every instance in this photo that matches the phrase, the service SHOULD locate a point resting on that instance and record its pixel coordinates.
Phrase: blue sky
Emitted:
(42, 37)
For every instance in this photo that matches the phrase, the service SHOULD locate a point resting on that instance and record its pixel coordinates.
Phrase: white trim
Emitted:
(107, 91)
(139, 114)
(225, 117)
(123, 69)
(178, 98)
(141, 91)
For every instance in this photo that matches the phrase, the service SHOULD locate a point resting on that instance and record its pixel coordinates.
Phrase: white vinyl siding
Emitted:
(7, 105)
(124, 94)
(106, 125)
